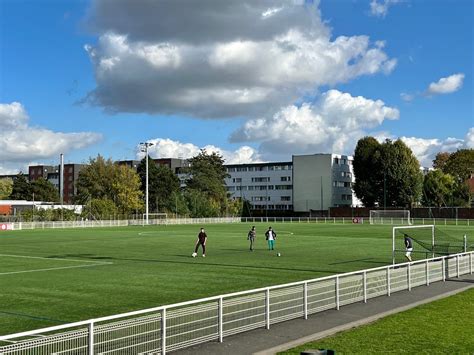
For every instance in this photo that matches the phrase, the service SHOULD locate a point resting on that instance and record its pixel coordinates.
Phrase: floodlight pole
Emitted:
(146, 145)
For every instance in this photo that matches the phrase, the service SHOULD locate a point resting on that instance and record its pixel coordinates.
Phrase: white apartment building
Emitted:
(268, 186)
(309, 182)
(321, 181)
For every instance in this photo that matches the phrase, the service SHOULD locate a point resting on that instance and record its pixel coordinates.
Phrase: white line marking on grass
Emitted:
(53, 268)
(63, 259)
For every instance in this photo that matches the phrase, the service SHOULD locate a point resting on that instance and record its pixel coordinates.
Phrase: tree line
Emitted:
(388, 174)
(110, 190)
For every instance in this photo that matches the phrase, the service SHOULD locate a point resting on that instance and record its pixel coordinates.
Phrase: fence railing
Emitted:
(177, 326)
(205, 221)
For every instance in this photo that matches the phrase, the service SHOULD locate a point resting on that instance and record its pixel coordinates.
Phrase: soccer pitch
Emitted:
(51, 277)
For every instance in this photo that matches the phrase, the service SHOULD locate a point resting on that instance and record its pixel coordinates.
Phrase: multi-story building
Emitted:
(321, 181)
(51, 173)
(307, 183)
(268, 186)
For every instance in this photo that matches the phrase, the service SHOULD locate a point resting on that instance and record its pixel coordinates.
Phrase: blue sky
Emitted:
(254, 83)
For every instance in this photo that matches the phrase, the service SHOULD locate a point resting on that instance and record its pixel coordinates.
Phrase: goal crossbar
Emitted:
(379, 216)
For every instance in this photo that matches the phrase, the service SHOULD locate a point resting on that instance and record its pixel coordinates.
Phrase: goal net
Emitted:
(154, 218)
(428, 241)
(390, 217)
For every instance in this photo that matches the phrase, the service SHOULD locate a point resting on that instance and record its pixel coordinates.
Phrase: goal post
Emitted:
(154, 216)
(423, 235)
(390, 217)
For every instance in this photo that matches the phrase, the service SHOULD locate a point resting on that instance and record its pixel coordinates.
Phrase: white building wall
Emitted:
(321, 181)
(265, 185)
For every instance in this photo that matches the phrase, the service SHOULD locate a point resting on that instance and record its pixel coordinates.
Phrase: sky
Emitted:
(254, 81)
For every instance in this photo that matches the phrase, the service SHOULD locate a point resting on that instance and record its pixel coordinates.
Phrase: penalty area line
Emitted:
(54, 268)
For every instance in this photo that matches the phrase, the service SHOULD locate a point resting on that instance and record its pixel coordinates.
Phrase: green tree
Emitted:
(126, 189)
(100, 208)
(206, 176)
(386, 174)
(460, 164)
(44, 190)
(21, 189)
(6, 188)
(403, 178)
(163, 185)
(368, 171)
(438, 189)
(105, 181)
(440, 160)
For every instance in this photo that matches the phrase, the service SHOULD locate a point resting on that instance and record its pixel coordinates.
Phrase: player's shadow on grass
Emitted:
(97, 257)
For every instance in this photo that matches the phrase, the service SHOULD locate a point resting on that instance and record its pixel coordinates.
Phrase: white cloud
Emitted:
(407, 97)
(168, 148)
(446, 85)
(380, 9)
(332, 124)
(470, 138)
(233, 58)
(22, 143)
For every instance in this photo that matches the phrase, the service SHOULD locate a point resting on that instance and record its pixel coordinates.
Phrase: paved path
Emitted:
(289, 334)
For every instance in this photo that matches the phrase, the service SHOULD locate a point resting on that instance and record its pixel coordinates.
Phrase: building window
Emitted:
(70, 177)
(260, 179)
(283, 178)
(270, 187)
(71, 169)
(237, 180)
(283, 187)
(242, 168)
(336, 161)
(285, 198)
(230, 170)
(250, 168)
(250, 188)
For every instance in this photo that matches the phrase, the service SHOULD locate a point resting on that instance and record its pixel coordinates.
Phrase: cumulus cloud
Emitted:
(22, 143)
(232, 58)
(446, 85)
(380, 9)
(470, 138)
(334, 123)
(168, 148)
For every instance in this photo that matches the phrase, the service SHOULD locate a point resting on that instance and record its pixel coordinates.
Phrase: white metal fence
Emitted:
(205, 221)
(167, 328)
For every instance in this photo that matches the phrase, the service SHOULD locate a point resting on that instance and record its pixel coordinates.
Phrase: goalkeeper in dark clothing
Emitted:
(408, 247)
(202, 238)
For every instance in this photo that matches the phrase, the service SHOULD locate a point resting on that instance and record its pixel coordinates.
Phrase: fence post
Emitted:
(409, 277)
(90, 345)
(267, 308)
(470, 263)
(365, 287)
(221, 325)
(305, 300)
(163, 331)
(388, 281)
(427, 268)
(444, 268)
(337, 292)
(457, 266)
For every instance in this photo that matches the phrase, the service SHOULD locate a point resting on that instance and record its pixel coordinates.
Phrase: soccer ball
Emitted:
(194, 255)
(278, 254)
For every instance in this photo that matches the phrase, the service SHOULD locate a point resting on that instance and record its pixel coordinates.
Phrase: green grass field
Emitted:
(50, 277)
(441, 327)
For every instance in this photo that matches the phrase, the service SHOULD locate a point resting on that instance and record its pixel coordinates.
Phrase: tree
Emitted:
(440, 160)
(163, 185)
(44, 190)
(105, 181)
(126, 189)
(460, 164)
(100, 208)
(403, 178)
(206, 176)
(368, 171)
(438, 189)
(21, 189)
(6, 188)
(386, 174)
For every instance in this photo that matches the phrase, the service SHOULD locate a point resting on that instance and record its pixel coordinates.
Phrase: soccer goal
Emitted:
(428, 241)
(154, 217)
(390, 217)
